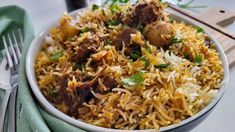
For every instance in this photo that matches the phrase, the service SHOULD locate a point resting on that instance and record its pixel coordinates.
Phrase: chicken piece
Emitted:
(159, 33)
(68, 27)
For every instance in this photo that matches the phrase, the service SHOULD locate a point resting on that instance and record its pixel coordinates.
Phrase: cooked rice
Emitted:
(167, 95)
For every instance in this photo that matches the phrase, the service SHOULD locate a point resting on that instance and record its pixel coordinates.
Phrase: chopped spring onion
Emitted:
(56, 56)
(136, 79)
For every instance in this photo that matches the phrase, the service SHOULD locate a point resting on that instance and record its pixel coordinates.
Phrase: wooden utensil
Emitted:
(214, 21)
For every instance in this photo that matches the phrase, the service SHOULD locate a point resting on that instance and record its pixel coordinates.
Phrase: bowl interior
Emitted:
(35, 47)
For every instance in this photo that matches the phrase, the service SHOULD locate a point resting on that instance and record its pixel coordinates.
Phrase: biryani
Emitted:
(128, 67)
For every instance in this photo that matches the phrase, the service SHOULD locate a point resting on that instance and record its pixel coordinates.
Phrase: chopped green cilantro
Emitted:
(56, 56)
(136, 79)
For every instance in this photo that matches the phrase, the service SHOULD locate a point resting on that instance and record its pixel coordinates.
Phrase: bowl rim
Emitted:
(29, 66)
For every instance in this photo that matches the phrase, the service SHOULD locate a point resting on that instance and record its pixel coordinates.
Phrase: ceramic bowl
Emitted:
(184, 125)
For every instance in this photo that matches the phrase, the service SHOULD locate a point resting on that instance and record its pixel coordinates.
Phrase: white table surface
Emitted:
(222, 119)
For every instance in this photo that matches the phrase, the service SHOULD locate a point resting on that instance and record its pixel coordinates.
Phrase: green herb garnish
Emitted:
(95, 7)
(140, 27)
(113, 23)
(85, 29)
(115, 8)
(114, 1)
(161, 66)
(108, 41)
(123, 1)
(136, 79)
(56, 56)
(199, 29)
(146, 62)
(77, 66)
(135, 54)
(175, 40)
(198, 59)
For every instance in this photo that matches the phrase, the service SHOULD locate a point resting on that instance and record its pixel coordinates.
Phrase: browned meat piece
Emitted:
(123, 37)
(159, 33)
(83, 91)
(74, 99)
(108, 83)
(73, 109)
(60, 94)
(84, 52)
(143, 13)
(82, 94)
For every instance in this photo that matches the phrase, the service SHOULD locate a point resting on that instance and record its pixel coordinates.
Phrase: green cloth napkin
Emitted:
(30, 116)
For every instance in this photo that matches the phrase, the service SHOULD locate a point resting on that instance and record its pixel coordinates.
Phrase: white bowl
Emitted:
(184, 125)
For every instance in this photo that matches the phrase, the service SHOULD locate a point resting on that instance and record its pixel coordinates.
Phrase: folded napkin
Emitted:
(30, 116)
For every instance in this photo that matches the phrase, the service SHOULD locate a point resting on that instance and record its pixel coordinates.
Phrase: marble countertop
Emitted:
(222, 119)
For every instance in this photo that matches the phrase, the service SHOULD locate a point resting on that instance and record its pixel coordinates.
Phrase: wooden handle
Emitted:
(203, 19)
(219, 18)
